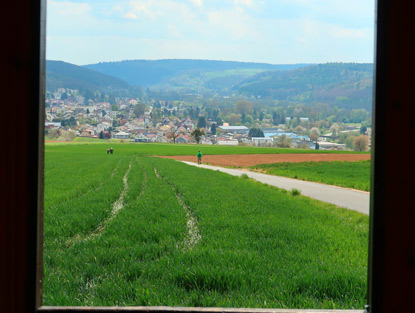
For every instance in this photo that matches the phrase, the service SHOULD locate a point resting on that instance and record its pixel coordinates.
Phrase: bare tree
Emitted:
(284, 142)
(174, 133)
(334, 130)
(314, 133)
(299, 129)
(361, 143)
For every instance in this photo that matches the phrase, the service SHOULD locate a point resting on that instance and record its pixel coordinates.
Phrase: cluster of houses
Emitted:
(71, 113)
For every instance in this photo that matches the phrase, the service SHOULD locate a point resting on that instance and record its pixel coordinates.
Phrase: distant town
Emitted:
(69, 115)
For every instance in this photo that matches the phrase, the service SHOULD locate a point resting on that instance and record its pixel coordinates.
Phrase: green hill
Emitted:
(345, 84)
(178, 72)
(67, 75)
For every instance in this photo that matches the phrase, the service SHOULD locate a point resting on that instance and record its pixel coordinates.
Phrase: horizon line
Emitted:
(213, 60)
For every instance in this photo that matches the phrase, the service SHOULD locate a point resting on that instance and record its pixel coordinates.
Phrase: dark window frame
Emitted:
(391, 272)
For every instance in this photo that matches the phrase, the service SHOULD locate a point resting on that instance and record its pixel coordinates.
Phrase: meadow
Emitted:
(130, 229)
(355, 175)
(82, 144)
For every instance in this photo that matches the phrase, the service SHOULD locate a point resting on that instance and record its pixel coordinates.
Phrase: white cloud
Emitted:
(244, 2)
(217, 29)
(69, 8)
(237, 25)
(317, 29)
(115, 9)
(158, 10)
(174, 31)
(130, 15)
(351, 8)
(69, 18)
(140, 8)
(198, 2)
(349, 33)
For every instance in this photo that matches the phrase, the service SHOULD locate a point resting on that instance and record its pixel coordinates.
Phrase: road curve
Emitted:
(347, 198)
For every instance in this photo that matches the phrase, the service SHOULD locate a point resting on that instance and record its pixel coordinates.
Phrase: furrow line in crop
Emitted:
(116, 208)
(193, 234)
(143, 185)
(114, 171)
(157, 173)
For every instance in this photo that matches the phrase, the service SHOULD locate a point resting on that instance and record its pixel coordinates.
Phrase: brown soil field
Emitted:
(245, 160)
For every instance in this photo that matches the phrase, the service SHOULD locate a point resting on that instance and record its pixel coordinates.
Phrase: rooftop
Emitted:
(234, 127)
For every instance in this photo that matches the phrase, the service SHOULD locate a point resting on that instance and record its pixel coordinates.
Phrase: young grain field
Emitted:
(355, 175)
(128, 229)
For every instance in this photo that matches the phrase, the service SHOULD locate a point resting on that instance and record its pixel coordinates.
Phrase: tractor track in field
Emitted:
(114, 171)
(143, 183)
(116, 208)
(193, 234)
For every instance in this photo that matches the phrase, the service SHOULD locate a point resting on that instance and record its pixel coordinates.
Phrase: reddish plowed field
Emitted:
(245, 160)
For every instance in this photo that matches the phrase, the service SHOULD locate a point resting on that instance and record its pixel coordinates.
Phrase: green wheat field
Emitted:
(355, 175)
(129, 229)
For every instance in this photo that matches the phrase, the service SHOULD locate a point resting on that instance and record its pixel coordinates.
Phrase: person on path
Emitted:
(199, 157)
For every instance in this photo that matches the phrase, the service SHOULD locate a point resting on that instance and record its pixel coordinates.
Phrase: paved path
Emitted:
(343, 197)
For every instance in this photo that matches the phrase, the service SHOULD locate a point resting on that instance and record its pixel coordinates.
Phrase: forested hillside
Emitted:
(61, 74)
(347, 85)
(149, 73)
(344, 84)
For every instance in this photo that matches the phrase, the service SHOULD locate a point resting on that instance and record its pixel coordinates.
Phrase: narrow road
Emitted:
(342, 197)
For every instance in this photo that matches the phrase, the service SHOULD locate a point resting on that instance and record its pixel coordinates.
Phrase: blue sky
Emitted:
(269, 31)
